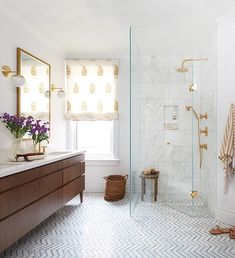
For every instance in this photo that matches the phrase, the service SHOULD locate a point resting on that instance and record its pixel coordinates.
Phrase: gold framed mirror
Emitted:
(33, 98)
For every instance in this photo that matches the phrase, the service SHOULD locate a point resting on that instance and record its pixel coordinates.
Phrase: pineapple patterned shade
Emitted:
(92, 90)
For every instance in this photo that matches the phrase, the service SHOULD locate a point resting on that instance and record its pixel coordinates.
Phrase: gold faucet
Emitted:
(205, 116)
(205, 131)
(203, 146)
(43, 149)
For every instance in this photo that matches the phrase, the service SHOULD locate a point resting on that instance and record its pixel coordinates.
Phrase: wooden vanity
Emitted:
(30, 196)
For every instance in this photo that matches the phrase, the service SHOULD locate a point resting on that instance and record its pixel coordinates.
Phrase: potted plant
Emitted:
(18, 127)
(39, 132)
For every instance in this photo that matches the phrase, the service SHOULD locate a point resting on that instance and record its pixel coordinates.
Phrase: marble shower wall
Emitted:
(208, 105)
(170, 151)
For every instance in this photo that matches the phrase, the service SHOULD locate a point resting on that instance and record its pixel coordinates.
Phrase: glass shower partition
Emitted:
(135, 111)
(166, 102)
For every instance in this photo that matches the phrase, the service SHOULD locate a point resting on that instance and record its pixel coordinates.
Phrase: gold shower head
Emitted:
(183, 69)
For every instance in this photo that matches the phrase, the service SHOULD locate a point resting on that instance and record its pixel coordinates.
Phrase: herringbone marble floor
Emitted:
(100, 229)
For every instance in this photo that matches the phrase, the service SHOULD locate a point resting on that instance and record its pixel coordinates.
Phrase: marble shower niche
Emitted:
(171, 117)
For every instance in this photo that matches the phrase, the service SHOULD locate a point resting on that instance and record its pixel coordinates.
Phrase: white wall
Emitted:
(225, 210)
(16, 34)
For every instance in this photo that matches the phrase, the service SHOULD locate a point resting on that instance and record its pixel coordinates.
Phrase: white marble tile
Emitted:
(153, 138)
(185, 122)
(152, 105)
(152, 122)
(179, 91)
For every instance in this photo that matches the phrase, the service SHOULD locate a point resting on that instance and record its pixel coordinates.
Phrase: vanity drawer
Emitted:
(17, 225)
(73, 161)
(70, 173)
(73, 188)
(19, 197)
(21, 178)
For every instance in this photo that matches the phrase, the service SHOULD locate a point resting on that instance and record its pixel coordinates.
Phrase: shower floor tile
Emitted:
(100, 229)
(196, 208)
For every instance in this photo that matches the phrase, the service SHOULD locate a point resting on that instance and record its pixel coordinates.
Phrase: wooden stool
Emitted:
(155, 184)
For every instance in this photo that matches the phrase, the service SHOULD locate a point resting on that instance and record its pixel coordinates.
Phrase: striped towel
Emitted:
(227, 149)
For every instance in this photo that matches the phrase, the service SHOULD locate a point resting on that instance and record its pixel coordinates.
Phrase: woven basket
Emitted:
(115, 187)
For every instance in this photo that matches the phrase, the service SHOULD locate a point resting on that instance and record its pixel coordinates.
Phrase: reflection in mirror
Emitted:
(31, 98)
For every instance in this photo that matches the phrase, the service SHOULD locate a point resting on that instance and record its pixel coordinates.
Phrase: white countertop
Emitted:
(9, 168)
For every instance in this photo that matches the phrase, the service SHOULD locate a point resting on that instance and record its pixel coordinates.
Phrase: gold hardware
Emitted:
(205, 116)
(54, 88)
(60, 91)
(6, 71)
(205, 131)
(43, 149)
(183, 69)
(17, 79)
(194, 112)
(192, 87)
(200, 146)
(193, 194)
(203, 146)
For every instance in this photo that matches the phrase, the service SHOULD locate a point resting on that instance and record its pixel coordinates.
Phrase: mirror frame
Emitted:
(18, 71)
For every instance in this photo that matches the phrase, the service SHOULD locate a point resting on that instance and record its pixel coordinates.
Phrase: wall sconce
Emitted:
(60, 91)
(17, 79)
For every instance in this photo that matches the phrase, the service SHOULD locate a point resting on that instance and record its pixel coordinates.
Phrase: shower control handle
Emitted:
(205, 131)
(205, 116)
(203, 146)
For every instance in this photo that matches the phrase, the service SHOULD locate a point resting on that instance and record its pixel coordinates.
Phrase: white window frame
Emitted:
(72, 143)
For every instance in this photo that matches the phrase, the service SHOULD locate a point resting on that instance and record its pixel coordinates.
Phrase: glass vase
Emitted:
(17, 147)
(36, 147)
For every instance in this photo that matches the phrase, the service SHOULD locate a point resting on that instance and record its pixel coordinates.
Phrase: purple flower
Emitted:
(39, 131)
(17, 125)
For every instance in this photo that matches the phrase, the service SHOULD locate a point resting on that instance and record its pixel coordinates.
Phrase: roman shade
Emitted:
(91, 90)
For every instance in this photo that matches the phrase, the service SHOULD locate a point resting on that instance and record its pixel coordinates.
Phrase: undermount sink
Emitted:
(58, 152)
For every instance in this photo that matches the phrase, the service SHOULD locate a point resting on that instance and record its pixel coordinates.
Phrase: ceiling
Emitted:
(101, 26)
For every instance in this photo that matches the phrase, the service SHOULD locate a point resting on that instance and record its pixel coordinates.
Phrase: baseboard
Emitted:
(94, 187)
(98, 187)
(224, 215)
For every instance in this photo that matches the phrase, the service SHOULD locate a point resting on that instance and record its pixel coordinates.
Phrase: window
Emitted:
(92, 107)
(97, 138)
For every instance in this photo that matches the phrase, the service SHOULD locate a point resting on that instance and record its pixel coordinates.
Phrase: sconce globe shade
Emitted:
(60, 94)
(47, 94)
(18, 80)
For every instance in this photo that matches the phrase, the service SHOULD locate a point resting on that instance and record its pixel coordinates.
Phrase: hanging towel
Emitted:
(227, 149)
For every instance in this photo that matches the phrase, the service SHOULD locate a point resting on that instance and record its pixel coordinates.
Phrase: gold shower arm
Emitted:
(193, 59)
